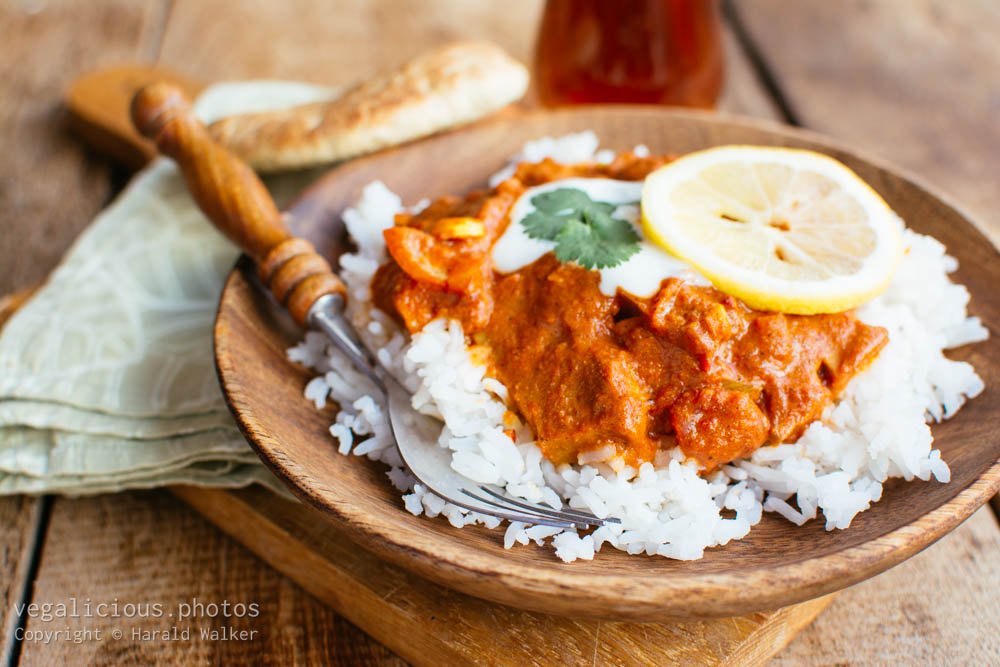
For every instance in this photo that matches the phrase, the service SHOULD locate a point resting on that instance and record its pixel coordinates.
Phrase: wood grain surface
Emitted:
(146, 548)
(332, 43)
(19, 522)
(43, 51)
(431, 625)
(938, 608)
(914, 81)
(223, 39)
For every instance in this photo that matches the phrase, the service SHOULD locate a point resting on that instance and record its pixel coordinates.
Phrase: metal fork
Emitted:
(417, 434)
(237, 203)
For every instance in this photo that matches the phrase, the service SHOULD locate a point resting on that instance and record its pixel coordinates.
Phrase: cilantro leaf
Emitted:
(610, 229)
(545, 226)
(585, 231)
(583, 244)
(562, 200)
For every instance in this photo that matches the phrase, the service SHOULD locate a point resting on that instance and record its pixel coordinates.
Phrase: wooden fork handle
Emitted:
(235, 200)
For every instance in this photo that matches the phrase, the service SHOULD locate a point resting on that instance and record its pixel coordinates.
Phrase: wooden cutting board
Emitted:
(423, 622)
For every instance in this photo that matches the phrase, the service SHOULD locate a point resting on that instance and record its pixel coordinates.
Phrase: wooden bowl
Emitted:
(776, 565)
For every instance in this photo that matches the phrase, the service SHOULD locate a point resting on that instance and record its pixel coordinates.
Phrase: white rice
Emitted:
(876, 431)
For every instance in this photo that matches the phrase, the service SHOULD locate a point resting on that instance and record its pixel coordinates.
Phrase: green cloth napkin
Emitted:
(106, 376)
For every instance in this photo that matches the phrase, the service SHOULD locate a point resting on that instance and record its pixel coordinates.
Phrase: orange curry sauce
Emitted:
(690, 366)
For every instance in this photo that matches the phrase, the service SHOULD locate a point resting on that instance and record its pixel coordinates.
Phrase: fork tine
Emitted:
(512, 515)
(578, 515)
(416, 437)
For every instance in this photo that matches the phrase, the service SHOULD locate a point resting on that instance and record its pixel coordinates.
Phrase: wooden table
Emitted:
(916, 82)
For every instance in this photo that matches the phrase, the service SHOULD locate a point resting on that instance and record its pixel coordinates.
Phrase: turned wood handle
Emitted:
(235, 200)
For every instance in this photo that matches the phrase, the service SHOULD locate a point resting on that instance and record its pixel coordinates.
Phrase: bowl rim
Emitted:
(771, 586)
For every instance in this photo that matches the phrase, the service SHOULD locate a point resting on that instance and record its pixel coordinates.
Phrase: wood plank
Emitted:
(743, 92)
(428, 624)
(914, 81)
(19, 520)
(937, 608)
(332, 42)
(46, 48)
(146, 548)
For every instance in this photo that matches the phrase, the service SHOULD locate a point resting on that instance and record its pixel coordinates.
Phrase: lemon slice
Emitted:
(782, 229)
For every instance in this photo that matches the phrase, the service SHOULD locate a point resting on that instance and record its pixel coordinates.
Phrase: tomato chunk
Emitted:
(417, 254)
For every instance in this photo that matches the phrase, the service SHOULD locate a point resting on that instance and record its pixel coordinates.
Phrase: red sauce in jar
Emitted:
(630, 51)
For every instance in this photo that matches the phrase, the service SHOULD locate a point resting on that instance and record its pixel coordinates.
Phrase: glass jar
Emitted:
(630, 51)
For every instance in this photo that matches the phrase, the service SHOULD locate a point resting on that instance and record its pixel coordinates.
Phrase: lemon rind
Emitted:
(763, 291)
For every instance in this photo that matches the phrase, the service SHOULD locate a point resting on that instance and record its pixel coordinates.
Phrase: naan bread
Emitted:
(450, 86)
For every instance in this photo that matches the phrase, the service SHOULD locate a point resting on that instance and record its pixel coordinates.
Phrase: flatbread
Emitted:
(446, 87)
